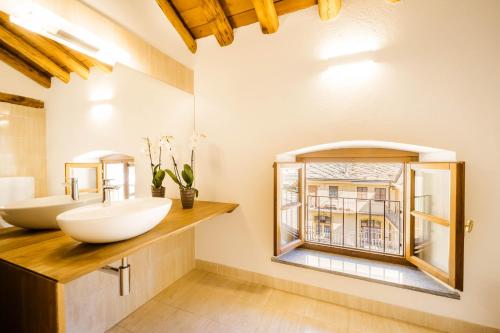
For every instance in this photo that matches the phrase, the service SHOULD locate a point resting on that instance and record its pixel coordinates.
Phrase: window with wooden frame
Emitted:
(435, 232)
(120, 169)
(417, 220)
(289, 208)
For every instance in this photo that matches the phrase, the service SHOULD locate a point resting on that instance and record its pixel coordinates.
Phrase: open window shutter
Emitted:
(288, 206)
(435, 220)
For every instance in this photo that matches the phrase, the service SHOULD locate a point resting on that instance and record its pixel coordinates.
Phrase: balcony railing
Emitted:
(366, 224)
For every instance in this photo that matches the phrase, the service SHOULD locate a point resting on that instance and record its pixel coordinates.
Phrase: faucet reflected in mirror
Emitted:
(73, 188)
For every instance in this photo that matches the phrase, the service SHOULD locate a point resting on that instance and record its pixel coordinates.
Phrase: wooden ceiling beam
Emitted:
(221, 28)
(35, 56)
(249, 16)
(47, 46)
(329, 9)
(99, 64)
(88, 61)
(24, 68)
(178, 24)
(21, 100)
(266, 13)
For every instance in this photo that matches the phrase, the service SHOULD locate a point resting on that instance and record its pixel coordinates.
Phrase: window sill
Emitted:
(395, 275)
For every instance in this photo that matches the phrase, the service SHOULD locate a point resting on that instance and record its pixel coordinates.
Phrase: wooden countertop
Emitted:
(61, 258)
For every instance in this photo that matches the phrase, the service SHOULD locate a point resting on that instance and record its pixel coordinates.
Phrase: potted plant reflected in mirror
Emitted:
(188, 192)
(185, 178)
(157, 189)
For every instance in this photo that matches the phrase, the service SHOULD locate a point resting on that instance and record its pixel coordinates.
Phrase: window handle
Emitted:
(469, 225)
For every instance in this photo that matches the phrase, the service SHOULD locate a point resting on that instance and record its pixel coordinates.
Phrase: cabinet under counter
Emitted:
(52, 283)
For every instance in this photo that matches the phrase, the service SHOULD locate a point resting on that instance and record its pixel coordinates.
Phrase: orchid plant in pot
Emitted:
(158, 174)
(185, 178)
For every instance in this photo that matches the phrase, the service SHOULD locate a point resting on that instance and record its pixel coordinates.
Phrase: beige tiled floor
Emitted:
(206, 302)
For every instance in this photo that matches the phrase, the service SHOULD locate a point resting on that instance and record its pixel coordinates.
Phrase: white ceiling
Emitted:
(146, 19)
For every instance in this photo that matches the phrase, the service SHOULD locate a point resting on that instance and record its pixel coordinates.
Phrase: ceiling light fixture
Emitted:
(41, 21)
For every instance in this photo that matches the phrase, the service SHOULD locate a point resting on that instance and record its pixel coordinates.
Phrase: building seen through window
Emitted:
(355, 205)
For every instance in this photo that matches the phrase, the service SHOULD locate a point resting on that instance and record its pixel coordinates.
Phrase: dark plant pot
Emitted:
(158, 192)
(187, 198)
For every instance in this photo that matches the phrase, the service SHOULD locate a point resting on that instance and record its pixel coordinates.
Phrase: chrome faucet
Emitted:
(106, 190)
(73, 188)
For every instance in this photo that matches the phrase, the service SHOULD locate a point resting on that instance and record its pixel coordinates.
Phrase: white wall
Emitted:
(151, 25)
(113, 112)
(13, 82)
(433, 81)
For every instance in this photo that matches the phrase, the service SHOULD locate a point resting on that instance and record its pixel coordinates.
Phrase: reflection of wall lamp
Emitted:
(352, 72)
(4, 121)
(48, 24)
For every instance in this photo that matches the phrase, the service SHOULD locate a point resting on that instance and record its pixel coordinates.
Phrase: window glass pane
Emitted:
(333, 191)
(380, 194)
(289, 191)
(362, 192)
(86, 177)
(115, 172)
(432, 192)
(432, 241)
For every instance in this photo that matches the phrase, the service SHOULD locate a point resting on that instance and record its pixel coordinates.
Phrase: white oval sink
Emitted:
(41, 213)
(115, 221)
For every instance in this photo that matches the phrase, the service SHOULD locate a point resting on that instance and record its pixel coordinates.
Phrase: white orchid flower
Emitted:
(168, 143)
(195, 139)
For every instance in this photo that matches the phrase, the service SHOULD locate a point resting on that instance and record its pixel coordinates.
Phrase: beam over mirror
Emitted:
(23, 48)
(23, 67)
(47, 46)
(21, 100)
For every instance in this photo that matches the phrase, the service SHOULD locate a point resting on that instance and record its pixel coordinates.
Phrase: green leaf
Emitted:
(196, 192)
(189, 181)
(158, 178)
(173, 176)
(187, 175)
(189, 171)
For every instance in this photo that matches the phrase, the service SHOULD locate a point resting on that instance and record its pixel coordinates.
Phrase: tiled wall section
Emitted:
(23, 144)
(427, 320)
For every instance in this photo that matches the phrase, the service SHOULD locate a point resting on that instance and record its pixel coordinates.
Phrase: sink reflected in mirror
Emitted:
(41, 213)
(115, 221)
